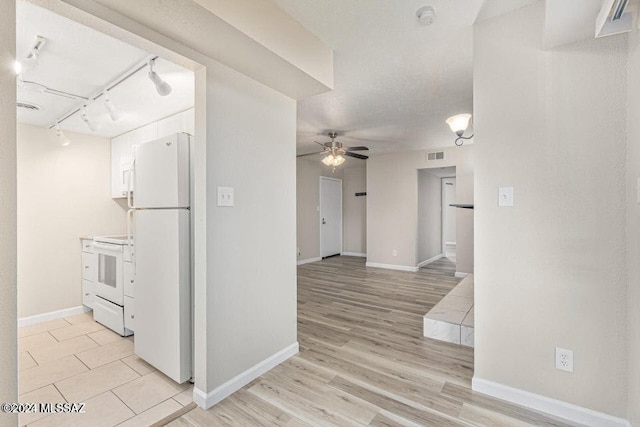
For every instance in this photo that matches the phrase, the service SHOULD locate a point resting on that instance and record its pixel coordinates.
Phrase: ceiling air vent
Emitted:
(28, 106)
(436, 155)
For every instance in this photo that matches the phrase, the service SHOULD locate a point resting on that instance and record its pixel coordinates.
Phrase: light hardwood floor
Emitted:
(363, 359)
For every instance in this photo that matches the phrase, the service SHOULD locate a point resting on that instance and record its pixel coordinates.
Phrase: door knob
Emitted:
(323, 221)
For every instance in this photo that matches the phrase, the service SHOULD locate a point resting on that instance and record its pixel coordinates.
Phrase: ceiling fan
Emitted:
(334, 151)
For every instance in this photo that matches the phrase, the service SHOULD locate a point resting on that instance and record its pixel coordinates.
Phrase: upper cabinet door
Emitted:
(119, 152)
(169, 126)
(188, 122)
(124, 146)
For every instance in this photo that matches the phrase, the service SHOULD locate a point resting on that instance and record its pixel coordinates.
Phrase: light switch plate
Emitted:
(225, 196)
(505, 196)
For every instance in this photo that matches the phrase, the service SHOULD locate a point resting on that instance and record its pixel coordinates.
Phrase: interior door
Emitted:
(448, 217)
(330, 217)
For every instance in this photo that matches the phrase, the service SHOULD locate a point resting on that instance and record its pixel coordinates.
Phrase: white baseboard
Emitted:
(461, 275)
(207, 400)
(545, 404)
(358, 254)
(309, 260)
(391, 266)
(430, 260)
(39, 318)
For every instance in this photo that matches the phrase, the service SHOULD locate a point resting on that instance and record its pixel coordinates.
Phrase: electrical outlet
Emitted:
(564, 359)
(394, 252)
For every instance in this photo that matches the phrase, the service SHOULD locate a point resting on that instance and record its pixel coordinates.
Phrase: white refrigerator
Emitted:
(161, 189)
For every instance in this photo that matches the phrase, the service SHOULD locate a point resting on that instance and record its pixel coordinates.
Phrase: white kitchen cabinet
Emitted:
(170, 125)
(89, 272)
(129, 313)
(150, 132)
(123, 146)
(88, 293)
(189, 122)
(129, 279)
(129, 254)
(120, 153)
(89, 266)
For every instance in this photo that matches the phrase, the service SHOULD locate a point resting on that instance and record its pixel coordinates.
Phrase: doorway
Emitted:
(436, 219)
(73, 184)
(330, 217)
(449, 218)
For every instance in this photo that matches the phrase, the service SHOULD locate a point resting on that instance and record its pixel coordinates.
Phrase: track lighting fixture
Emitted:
(62, 138)
(92, 127)
(163, 88)
(113, 111)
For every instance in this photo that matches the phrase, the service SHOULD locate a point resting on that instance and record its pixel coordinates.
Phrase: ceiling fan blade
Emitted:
(360, 148)
(320, 144)
(309, 154)
(357, 156)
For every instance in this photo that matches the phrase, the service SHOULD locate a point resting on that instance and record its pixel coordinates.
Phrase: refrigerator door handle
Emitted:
(129, 186)
(129, 229)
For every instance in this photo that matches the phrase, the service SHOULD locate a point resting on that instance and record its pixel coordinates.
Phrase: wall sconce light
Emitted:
(458, 124)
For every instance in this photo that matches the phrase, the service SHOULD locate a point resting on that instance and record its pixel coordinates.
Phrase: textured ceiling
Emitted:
(396, 81)
(82, 61)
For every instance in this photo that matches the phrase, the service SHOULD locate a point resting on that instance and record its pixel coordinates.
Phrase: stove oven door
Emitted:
(109, 284)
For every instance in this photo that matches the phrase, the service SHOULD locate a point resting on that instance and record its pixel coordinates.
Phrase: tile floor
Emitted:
(451, 319)
(78, 360)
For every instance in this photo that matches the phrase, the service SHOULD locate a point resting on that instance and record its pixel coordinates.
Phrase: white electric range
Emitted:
(114, 284)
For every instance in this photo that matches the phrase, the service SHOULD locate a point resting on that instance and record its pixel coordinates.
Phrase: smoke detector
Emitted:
(426, 15)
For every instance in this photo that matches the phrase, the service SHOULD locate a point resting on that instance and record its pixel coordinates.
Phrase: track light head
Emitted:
(92, 127)
(113, 111)
(163, 88)
(62, 138)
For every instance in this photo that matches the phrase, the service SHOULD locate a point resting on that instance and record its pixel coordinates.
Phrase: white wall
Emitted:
(550, 271)
(354, 210)
(633, 229)
(251, 247)
(282, 54)
(8, 320)
(392, 205)
(308, 173)
(429, 215)
(63, 193)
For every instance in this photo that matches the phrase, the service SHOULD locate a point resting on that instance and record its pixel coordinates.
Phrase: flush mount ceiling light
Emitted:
(426, 15)
(163, 88)
(62, 138)
(458, 124)
(113, 111)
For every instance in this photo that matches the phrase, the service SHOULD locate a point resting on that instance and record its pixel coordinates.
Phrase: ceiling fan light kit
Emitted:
(459, 124)
(335, 151)
(333, 160)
